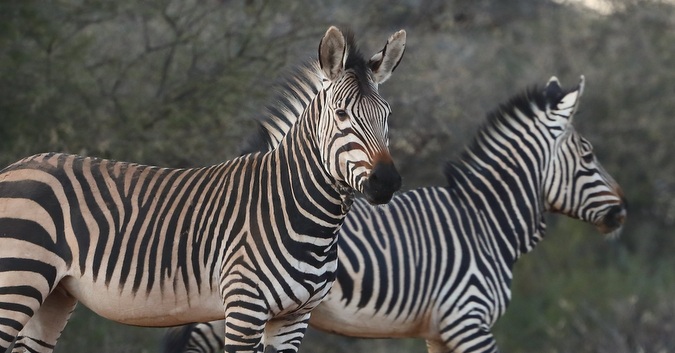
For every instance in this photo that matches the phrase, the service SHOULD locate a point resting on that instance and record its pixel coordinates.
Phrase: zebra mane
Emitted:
(295, 92)
(503, 115)
(358, 64)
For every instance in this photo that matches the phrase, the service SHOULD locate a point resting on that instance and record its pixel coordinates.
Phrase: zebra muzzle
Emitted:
(382, 183)
(613, 220)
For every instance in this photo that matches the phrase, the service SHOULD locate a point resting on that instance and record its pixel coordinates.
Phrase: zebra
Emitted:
(437, 262)
(251, 240)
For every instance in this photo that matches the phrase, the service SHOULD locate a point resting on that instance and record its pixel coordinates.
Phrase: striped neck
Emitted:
(318, 196)
(503, 177)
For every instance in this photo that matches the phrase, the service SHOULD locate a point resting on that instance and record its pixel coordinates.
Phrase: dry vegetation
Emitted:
(176, 83)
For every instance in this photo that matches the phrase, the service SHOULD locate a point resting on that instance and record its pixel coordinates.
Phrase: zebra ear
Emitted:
(332, 50)
(563, 104)
(385, 62)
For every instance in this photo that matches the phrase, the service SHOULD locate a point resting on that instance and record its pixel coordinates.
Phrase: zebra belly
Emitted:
(332, 315)
(156, 308)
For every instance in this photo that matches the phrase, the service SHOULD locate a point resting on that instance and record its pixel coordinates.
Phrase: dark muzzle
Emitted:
(614, 218)
(382, 183)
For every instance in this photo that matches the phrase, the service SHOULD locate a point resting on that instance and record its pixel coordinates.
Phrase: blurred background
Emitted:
(177, 82)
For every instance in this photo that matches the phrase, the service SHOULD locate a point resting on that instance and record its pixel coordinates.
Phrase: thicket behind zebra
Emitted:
(252, 240)
(436, 262)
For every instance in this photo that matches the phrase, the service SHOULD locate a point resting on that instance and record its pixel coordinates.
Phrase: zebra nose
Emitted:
(382, 183)
(614, 218)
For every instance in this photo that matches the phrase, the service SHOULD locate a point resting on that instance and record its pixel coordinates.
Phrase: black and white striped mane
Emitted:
(524, 102)
(295, 92)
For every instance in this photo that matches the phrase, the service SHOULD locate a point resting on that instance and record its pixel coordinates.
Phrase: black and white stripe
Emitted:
(436, 262)
(251, 240)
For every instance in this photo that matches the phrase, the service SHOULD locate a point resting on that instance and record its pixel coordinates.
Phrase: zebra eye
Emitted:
(587, 157)
(341, 114)
(586, 151)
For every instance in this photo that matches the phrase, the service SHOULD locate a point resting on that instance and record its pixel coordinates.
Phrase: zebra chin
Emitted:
(382, 183)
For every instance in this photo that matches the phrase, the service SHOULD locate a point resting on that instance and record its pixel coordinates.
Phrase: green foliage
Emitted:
(317, 341)
(88, 332)
(150, 81)
(578, 303)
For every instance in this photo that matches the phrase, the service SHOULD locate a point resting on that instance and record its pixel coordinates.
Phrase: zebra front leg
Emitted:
(44, 328)
(284, 335)
(434, 346)
(242, 334)
(467, 335)
(245, 320)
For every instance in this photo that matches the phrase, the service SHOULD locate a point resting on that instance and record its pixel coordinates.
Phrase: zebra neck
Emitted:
(316, 196)
(508, 198)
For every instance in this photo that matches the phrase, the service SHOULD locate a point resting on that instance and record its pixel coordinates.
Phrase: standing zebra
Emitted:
(251, 240)
(437, 262)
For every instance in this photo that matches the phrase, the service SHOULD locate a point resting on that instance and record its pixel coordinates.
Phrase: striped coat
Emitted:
(437, 262)
(251, 240)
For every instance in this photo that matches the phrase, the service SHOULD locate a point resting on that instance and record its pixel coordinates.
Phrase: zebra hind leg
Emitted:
(176, 339)
(284, 335)
(44, 328)
(195, 338)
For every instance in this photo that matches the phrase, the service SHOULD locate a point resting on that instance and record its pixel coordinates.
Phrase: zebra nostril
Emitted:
(382, 183)
(615, 217)
(386, 175)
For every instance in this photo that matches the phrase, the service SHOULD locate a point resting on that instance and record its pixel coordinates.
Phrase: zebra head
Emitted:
(575, 182)
(354, 148)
